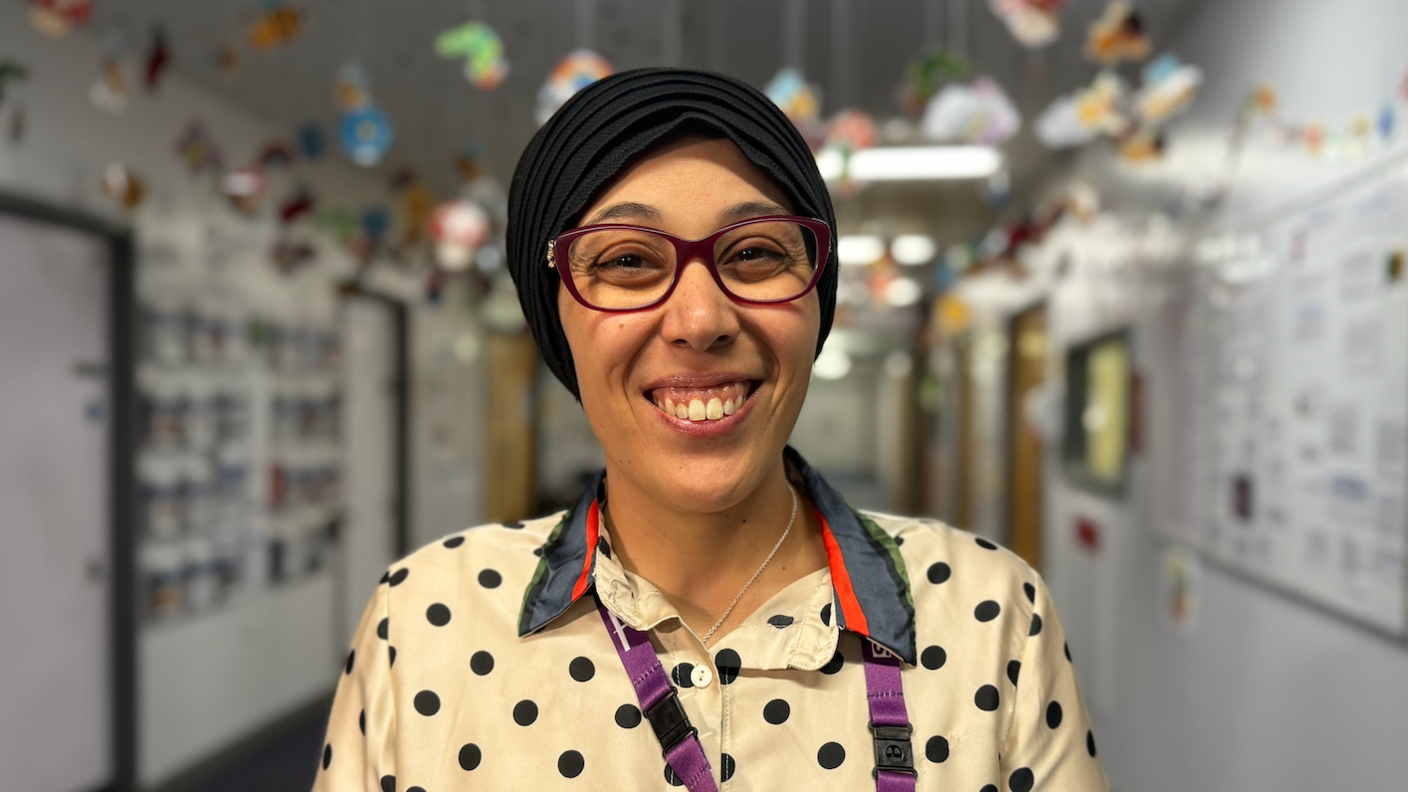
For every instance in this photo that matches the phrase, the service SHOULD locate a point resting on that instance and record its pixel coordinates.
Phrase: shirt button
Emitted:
(701, 676)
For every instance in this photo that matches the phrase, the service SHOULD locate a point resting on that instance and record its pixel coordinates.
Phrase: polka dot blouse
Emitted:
(481, 663)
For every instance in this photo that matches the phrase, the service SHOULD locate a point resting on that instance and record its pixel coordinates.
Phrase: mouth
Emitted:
(700, 404)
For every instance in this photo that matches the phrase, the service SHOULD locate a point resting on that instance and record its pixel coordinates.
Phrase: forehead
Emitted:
(689, 178)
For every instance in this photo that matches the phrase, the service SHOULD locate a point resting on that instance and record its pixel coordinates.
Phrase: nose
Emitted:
(698, 314)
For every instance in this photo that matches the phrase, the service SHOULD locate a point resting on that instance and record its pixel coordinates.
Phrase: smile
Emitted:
(698, 404)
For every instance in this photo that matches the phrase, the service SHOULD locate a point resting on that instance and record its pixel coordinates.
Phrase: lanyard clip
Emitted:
(669, 721)
(893, 751)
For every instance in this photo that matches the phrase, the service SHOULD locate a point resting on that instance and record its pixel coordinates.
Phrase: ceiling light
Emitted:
(909, 163)
(831, 364)
(913, 249)
(858, 251)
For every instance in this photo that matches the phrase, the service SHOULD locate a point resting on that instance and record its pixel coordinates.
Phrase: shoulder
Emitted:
(490, 556)
(955, 571)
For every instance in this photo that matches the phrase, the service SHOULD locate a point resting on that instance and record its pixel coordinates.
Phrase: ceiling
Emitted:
(435, 110)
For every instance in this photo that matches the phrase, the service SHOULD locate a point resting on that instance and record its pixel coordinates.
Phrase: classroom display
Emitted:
(1304, 447)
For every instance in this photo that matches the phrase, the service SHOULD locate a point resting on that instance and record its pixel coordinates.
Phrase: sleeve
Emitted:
(1049, 746)
(359, 752)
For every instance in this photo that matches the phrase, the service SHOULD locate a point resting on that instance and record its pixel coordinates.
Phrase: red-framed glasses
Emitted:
(760, 261)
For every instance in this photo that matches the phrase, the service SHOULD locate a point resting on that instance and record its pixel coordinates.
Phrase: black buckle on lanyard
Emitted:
(669, 721)
(893, 751)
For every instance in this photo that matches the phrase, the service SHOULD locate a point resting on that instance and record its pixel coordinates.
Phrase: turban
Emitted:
(597, 133)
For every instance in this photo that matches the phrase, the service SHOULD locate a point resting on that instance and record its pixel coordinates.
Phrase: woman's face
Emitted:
(697, 346)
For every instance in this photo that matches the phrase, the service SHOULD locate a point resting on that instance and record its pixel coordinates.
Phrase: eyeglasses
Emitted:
(619, 268)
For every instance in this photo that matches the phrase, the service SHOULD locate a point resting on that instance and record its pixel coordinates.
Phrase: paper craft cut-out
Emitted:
(279, 25)
(311, 142)
(112, 89)
(1100, 106)
(353, 91)
(1118, 35)
(799, 100)
(931, 70)
(458, 227)
(298, 205)
(1032, 23)
(482, 50)
(1169, 87)
(366, 135)
(123, 185)
(158, 59)
(197, 150)
(246, 187)
(980, 112)
(1059, 126)
(55, 18)
(571, 74)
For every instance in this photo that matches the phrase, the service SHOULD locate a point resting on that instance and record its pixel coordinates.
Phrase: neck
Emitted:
(700, 560)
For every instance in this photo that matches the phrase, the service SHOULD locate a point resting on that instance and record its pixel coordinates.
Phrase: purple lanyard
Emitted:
(679, 741)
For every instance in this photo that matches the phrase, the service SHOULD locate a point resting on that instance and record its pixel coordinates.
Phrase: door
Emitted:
(55, 677)
(1024, 475)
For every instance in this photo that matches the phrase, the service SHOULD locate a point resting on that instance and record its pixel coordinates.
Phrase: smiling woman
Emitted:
(808, 645)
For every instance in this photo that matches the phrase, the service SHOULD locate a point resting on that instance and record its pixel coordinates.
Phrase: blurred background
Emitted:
(1122, 287)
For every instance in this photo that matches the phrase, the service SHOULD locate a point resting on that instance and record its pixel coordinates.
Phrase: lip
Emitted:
(703, 379)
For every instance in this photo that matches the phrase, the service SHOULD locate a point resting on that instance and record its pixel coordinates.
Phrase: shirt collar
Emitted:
(871, 595)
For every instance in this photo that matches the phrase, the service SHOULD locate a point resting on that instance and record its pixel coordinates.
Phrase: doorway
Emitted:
(1026, 374)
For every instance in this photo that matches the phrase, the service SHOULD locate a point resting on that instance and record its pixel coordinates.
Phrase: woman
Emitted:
(773, 637)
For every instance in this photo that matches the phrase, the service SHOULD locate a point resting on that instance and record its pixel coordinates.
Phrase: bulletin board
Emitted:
(1304, 440)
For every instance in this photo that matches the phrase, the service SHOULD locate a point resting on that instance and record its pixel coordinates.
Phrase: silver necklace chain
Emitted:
(766, 561)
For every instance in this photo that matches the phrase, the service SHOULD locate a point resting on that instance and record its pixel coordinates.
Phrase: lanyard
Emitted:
(679, 741)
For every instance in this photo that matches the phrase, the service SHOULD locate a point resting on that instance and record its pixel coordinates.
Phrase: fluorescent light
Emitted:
(896, 163)
(831, 164)
(831, 364)
(913, 249)
(853, 251)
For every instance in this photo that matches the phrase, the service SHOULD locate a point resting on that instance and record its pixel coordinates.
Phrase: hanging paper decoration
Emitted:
(112, 88)
(458, 227)
(158, 59)
(416, 205)
(1032, 23)
(197, 150)
(482, 50)
(280, 24)
(1059, 125)
(228, 60)
(11, 72)
(246, 187)
(467, 161)
(851, 131)
(366, 135)
(980, 112)
(571, 74)
(123, 185)
(353, 89)
(1169, 86)
(275, 154)
(288, 254)
(298, 205)
(1142, 143)
(311, 142)
(799, 100)
(1101, 106)
(930, 71)
(1118, 35)
(375, 223)
(55, 18)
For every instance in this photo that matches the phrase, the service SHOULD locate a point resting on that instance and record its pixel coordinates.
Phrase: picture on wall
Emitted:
(1095, 442)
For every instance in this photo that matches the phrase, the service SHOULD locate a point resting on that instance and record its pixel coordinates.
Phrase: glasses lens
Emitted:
(773, 260)
(621, 268)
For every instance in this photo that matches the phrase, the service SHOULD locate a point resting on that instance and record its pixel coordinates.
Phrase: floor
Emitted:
(288, 762)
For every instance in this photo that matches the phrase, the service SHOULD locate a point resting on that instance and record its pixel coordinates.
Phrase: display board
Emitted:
(1305, 429)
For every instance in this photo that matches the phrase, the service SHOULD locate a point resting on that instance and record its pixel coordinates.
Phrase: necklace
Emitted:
(766, 561)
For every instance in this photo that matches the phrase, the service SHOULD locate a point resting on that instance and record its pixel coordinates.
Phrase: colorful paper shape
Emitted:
(246, 187)
(311, 142)
(482, 50)
(1032, 23)
(574, 72)
(851, 131)
(1118, 35)
(197, 149)
(1101, 105)
(458, 227)
(799, 100)
(123, 185)
(366, 135)
(298, 205)
(158, 59)
(1169, 87)
(931, 70)
(279, 25)
(112, 89)
(353, 90)
(55, 18)
(980, 112)
(1059, 125)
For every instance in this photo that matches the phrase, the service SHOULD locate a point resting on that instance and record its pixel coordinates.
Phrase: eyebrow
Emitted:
(750, 209)
(625, 211)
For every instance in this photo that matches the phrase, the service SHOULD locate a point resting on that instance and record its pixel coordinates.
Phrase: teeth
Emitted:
(728, 407)
(681, 411)
(669, 406)
(714, 410)
(696, 410)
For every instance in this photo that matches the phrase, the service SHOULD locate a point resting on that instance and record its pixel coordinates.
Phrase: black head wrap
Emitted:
(587, 142)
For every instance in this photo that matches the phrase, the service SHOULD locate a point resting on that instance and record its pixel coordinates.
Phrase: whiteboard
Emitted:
(1304, 445)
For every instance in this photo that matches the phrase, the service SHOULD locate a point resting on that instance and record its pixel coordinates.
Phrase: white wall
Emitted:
(203, 682)
(1266, 692)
